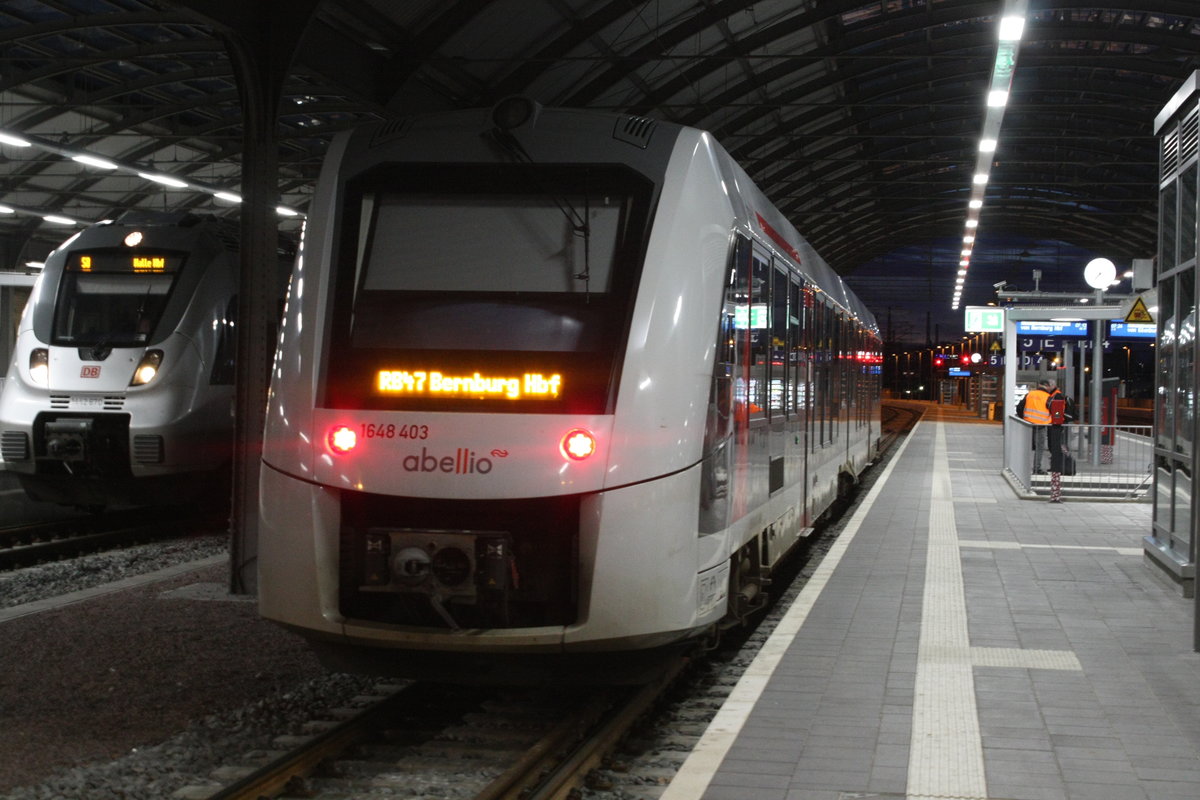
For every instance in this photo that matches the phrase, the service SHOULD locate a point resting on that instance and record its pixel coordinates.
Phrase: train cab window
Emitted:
(501, 270)
(113, 297)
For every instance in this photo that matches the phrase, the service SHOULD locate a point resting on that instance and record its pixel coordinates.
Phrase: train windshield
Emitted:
(113, 297)
(456, 270)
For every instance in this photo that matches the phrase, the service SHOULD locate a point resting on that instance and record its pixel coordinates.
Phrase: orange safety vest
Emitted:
(1037, 407)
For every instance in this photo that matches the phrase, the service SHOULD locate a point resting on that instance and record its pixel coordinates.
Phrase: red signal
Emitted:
(965, 359)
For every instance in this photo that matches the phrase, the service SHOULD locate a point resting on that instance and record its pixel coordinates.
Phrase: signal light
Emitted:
(577, 444)
(965, 359)
(938, 361)
(342, 439)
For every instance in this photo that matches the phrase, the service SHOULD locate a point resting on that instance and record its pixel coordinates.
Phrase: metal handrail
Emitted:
(1111, 461)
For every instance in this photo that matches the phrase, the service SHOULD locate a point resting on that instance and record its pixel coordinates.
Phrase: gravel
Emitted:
(135, 694)
(61, 577)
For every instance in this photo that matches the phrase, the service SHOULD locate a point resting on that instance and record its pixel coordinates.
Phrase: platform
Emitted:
(961, 642)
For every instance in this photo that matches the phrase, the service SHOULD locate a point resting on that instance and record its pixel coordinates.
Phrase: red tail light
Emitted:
(577, 444)
(342, 439)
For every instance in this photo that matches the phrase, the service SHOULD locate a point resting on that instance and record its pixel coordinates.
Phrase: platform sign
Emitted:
(1132, 330)
(1051, 328)
(984, 319)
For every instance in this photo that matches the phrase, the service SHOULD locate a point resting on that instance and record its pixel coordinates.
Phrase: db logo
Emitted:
(89, 372)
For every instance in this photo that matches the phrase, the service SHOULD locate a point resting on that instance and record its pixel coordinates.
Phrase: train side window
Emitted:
(727, 395)
(795, 354)
(224, 360)
(760, 335)
(820, 356)
(778, 350)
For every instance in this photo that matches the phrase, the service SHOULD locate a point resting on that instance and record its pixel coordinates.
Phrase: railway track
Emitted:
(449, 743)
(897, 421)
(35, 543)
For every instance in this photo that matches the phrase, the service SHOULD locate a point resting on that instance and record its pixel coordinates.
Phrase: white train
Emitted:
(120, 388)
(549, 383)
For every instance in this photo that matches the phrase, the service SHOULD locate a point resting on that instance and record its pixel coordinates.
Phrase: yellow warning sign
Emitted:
(996, 346)
(1138, 313)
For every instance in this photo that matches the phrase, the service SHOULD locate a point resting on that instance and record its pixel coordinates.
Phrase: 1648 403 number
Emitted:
(371, 430)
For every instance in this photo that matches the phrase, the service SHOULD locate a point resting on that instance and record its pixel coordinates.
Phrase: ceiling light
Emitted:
(962, 272)
(286, 212)
(57, 220)
(7, 210)
(980, 178)
(964, 263)
(987, 145)
(972, 223)
(968, 239)
(165, 180)
(1011, 28)
(229, 196)
(975, 204)
(997, 98)
(15, 141)
(92, 161)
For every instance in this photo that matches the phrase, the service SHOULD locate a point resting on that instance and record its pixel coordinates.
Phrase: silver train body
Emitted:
(548, 382)
(120, 388)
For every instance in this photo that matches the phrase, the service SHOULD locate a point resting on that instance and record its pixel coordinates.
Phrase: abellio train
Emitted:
(550, 384)
(120, 388)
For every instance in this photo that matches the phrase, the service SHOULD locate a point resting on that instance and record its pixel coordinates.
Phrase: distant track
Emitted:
(35, 543)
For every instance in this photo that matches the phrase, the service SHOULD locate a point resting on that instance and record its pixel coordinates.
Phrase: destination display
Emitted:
(123, 261)
(436, 384)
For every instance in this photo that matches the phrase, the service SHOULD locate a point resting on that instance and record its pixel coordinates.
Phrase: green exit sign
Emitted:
(984, 319)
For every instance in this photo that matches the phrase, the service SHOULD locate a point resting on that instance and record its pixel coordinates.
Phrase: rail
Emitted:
(1111, 461)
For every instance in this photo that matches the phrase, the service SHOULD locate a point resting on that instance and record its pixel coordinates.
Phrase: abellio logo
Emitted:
(463, 462)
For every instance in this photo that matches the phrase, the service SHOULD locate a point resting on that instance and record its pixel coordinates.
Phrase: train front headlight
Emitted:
(39, 366)
(147, 368)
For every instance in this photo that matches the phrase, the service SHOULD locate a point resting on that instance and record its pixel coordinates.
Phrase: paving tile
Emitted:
(837, 720)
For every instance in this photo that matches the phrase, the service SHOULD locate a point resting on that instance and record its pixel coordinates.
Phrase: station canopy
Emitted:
(860, 120)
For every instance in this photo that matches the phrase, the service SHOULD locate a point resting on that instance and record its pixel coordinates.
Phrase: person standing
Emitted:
(1034, 408)
(1060, 411)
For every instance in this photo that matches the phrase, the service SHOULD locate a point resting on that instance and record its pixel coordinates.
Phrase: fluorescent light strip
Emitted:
(97, 162)
(1011, 28)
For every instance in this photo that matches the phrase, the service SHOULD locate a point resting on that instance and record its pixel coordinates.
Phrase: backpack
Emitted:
(1058, 410)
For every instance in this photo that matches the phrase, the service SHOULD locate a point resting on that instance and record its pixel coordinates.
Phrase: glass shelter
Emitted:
(1172, 544)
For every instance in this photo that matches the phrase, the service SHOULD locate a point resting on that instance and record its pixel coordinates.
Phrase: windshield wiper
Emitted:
(577, 222)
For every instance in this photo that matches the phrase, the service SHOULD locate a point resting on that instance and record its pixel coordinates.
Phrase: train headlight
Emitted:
(342, 439)
(577, 444)
(39, 366)
(147, 368)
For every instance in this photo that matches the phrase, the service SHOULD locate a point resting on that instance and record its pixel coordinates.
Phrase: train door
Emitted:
(778, 409)
(758, 367)
(798, 389)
